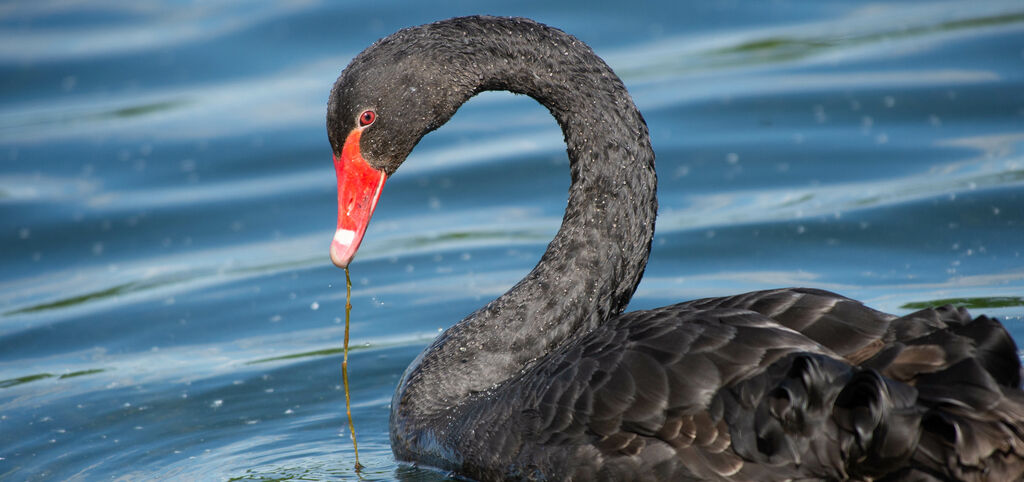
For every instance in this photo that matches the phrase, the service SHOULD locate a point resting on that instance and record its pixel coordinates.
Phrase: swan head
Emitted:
(390, 96)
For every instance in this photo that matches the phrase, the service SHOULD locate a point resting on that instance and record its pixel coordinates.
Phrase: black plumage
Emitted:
(552, 381)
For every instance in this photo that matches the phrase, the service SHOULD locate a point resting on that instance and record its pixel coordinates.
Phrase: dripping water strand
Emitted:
(344, 367)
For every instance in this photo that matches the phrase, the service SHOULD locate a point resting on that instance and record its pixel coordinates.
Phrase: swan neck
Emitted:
(591, 268)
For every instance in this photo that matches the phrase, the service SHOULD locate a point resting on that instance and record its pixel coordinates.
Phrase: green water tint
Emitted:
(344, 368)
(788, 48)
(982, 302)
(161, 281)
(42, 376)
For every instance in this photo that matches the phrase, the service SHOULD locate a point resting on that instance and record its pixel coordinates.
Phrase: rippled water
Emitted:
(167, 306)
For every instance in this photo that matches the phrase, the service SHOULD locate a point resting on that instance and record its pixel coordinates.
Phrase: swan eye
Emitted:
(367, 118)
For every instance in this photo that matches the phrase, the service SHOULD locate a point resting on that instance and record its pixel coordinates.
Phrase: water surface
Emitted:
(167, 306)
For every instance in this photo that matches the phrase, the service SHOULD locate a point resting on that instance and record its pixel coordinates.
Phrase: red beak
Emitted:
(359, 187)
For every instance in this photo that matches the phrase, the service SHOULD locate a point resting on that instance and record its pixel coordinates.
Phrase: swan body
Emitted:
(552, 381)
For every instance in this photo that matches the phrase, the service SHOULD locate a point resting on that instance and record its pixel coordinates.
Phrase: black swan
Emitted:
(551, 381)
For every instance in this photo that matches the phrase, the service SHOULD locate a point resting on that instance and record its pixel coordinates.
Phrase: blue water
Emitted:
(167, 306)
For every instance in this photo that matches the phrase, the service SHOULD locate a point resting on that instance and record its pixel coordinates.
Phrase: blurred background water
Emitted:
(167, 306)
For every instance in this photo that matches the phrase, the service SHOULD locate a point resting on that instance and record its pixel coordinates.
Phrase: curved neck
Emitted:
(593, 265)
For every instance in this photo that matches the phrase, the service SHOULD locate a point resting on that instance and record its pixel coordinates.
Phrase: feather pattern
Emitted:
(706, 390)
